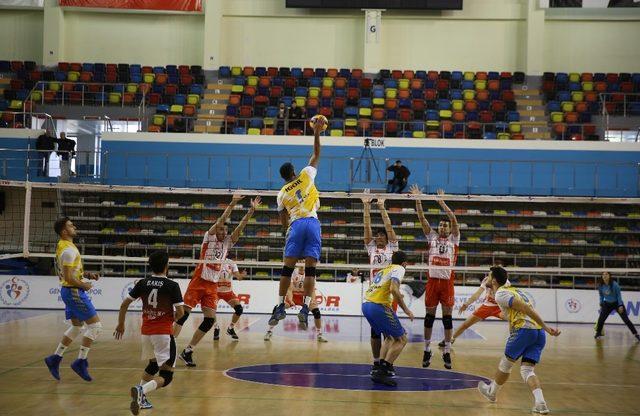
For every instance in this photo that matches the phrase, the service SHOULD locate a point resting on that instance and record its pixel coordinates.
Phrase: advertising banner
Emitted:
(554, 305)
(175, 5)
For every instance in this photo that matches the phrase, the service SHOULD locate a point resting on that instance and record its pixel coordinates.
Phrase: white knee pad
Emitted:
(526, 371)
(93, 330)
(505, 365)
(72, 332)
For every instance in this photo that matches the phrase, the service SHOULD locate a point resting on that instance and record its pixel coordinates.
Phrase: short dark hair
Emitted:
(398, 161)
(499, 274)
(382, 231)
(59, 225)
(158, 261)
(287, 171)
(398, 257)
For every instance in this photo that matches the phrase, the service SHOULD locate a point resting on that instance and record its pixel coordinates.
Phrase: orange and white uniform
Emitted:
(489, 306)
(381, 257)
(297, 289)
(443, 251)
(203, 287)
(225, 288)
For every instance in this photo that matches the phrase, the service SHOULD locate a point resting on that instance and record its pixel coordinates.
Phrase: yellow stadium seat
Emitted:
(446, 114)
(504, 136)
(587, 86)
(433, 125)
(193, 99)
(54, 86)
(351, 122)
(148, 78)
(253, 131)
(515, 127)
(236, 71)
(557, 117)
(403, 84)
(457, 105)
(132, 88)
(469, 76)
(419, 134)
(301, 101)
(73, 76)
(481, 85)
(327, 82)
(176, 109)
(252, 80)
(15, 105)
(391, 93)
(577, 96)
(378, 102)
(364, 112)
(115, 98)
(336, 133)
(158, 119)
(36, 96)
(314, 92)
(574, 77)
(469, 95)
(237, 89)
(268, 122)
(567, 106)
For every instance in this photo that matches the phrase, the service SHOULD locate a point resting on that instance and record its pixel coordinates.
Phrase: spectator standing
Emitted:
(400, 178)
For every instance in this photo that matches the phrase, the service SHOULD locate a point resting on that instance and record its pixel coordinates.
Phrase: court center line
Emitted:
(29, 366)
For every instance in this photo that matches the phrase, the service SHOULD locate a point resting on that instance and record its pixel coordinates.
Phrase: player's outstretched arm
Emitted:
(397, 296)
(520, 306)
(471, 300)
(387, 221)
(315, 157)
(237, 197)
(366, 219)
(119, 332)
(426, 227)
(235, 236)
(455, 228)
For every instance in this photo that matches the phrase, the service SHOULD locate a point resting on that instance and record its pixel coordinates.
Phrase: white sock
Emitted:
(307, 300)
(61, 349)
(427, 346)
(84, 351)
(537, 394)
(271, 328)
(281, 300)
(188, 349)
(376, 359)
(149, 386)
(493, 387)
(216, 326)
(447, 347)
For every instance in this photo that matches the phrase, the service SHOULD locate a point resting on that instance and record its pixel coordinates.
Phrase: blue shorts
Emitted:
(77, 304)
(383, 320)
(526, 343)
(303, 239)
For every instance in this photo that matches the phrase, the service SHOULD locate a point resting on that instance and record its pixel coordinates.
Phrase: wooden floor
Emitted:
(579, 375)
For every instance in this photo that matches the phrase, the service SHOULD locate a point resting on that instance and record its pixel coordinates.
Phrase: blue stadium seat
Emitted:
(239, 130)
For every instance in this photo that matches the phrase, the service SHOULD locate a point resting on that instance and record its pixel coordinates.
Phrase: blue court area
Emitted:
(345, 376)
(8, 315)
(352, 328)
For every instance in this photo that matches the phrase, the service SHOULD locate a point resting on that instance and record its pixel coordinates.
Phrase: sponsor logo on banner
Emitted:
(14, 291)
(327, 303)
(633, 308)
(573, 305)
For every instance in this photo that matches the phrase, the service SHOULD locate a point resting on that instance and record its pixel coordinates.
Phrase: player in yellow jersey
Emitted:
(526, 341)
(384, 290)
(298, 202)
(78, 306)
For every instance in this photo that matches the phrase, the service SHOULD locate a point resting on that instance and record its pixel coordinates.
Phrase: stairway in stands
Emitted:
(533, 117)
(213, 107)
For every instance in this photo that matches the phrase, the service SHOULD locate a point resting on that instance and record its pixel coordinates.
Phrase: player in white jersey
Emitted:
(203, 287)
(443, 251)
(295, 297)
(228, 271)
(487, 309)
(380, 249)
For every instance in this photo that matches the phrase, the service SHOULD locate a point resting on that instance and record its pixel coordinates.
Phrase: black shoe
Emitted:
(216, 334)
(187, 358)
(441, 344)
(381, 377)
(375, 368)
(446, 357)
(232, 333)
(388, 368)
(426, 359)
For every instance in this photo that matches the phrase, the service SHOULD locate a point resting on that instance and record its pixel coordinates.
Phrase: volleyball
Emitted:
(317, 117)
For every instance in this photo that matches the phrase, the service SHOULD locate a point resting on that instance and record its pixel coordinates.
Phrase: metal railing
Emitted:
(619, 104)
(29, 120)
(86, 93)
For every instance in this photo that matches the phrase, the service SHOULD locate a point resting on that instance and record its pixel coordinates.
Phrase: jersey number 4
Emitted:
(153, 298)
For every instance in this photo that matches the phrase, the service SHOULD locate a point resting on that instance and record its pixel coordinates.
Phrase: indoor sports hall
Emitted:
(359, 207)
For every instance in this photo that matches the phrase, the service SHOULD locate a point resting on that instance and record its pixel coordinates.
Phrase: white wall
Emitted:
(592, 46)
(149, 39)
(21, 35)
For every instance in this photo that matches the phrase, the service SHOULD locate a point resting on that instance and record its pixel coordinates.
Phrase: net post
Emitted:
(27, 222)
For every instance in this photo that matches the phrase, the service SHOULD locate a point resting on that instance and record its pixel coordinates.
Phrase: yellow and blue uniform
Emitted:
(77, 303)
(527, 338)
(377, 308)
(301, 199)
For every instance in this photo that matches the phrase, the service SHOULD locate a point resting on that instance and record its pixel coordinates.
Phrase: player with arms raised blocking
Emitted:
(380, 249)
(443, 251)
(295, 297)
(298, 202)
(77, 304)
(160, 297)
(203, 287)
(228, 271)
(526, 341)
(384, 289)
